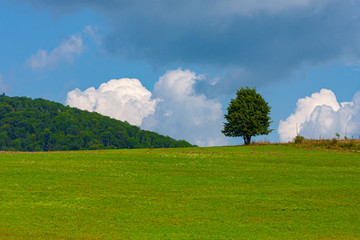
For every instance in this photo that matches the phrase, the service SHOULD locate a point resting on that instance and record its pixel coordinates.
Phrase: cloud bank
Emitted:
(267, 40)
(321, 116)
(173, 109)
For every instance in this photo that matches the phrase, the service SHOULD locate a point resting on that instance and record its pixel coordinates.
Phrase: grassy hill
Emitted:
(253, 192)
(41, 125)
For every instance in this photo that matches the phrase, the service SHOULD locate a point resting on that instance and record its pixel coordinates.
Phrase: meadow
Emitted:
(252, 192)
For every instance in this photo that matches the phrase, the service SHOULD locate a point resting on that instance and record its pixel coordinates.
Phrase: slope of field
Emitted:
(254, 192)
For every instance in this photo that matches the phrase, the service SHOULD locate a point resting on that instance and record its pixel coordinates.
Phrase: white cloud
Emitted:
(322, 116)
(174, 109)
(123, 99)
(183, 114)
(66, 52)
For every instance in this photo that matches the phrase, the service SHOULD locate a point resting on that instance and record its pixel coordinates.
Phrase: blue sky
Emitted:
(178, 63)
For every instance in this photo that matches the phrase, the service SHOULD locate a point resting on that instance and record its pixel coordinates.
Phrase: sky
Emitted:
(173, 66)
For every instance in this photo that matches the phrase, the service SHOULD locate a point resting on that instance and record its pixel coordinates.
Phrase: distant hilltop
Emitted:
(41, 125)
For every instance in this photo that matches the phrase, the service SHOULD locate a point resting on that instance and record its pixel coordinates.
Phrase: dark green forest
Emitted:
(41, 125)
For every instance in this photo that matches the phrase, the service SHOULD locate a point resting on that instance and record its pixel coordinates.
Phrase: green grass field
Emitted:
(254, 192)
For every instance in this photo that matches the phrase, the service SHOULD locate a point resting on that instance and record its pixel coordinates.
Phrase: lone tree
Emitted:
(248, 115)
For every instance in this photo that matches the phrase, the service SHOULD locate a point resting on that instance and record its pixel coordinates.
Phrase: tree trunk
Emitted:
(247, 140)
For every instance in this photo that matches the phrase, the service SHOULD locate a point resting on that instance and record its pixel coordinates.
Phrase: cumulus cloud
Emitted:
(65, 52)
(320, 115)
(174, 109)
(123, 99)
(183, 114)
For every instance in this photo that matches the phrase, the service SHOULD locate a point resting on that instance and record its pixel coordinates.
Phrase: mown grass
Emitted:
(253, 192)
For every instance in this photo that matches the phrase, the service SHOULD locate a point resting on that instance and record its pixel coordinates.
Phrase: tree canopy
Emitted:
(248, 115)
(41, 125)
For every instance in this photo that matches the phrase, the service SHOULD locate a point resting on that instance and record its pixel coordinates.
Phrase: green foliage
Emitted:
(299, 139)
(335, 144)
(41, 125)
(334, 141)
(337, 136)
(248, 115)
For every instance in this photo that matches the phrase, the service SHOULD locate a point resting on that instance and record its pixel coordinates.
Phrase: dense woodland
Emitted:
(41, 125)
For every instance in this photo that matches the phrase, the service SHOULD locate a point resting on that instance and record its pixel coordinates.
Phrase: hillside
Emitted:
(42, 125)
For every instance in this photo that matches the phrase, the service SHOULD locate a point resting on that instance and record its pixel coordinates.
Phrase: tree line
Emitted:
(41, 125)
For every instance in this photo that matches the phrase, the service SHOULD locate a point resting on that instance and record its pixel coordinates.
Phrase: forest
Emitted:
(40, 125)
